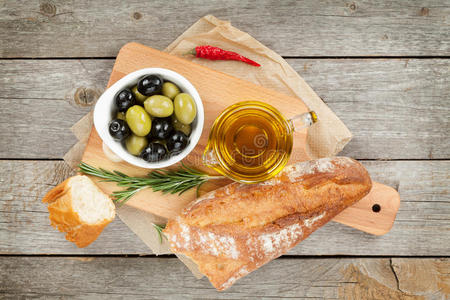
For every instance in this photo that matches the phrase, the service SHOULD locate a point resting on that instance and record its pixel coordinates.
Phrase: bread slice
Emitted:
(77, 206)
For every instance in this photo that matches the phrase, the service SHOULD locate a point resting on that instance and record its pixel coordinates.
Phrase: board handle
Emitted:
(375, 213)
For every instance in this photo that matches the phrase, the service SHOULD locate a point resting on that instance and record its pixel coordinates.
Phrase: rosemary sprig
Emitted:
(159, 229)
(166, 181)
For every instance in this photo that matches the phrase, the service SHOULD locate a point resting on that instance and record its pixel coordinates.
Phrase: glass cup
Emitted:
(251, 141)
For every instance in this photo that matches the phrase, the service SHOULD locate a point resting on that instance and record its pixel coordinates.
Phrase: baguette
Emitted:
(79, 208)
(236, 229)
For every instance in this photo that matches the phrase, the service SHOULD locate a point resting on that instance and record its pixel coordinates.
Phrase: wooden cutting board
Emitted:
(218, 91)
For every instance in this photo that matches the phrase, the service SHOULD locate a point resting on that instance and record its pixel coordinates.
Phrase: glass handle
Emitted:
(299, 122)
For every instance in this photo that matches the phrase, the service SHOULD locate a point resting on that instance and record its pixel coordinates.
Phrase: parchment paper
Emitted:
(326, 138)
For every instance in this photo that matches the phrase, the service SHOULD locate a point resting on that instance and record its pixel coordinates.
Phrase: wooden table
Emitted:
(383, 67)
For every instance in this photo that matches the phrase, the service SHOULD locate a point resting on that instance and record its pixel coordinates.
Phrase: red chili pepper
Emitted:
(215, 53)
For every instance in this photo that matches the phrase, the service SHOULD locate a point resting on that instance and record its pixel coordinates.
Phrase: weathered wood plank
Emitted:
(292, 28)
(395, 108)
(39, 110)
(422, 226)
(167, 278)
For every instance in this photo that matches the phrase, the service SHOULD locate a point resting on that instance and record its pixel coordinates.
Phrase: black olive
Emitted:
(119, 129)
(124, 100)
(154, 152)
(177, 142)
(150, 85)
(161, 128)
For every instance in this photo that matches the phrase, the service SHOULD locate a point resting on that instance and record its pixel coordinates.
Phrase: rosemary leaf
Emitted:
(166, 181)
(159, 229)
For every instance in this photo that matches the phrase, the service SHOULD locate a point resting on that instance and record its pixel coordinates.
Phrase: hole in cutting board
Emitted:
(376, 208)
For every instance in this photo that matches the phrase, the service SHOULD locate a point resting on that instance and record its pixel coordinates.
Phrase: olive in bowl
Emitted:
(177, 142)
(154, 152)
(119, 129)
(150, 85)
(138, 120)
(170, 90)
(151, 123)
(177, 125)
(184, 107)
(135, 144)
(161, 128)
(124, 100)
(159, 106)
(138, 96)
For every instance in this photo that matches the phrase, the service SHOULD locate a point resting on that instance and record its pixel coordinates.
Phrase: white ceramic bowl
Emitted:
(105, 111)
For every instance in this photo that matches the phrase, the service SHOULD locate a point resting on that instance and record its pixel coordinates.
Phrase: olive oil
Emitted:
(250, 142)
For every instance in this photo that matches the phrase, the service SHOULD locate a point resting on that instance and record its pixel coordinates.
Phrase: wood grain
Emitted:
(375, 213)
(375, 99)
(396, 109)
(168, 278)
(291, 28)
(421, 227)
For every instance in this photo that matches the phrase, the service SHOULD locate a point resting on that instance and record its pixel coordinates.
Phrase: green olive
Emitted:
(139, 97)
(159, 106)
(138, 120)
(177, 125)
(170, 90)
(120, 116)
(162, 142)
(185, 109)
(135, 144)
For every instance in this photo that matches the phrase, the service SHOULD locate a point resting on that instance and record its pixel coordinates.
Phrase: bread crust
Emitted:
(238, 228)
(65, 219)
